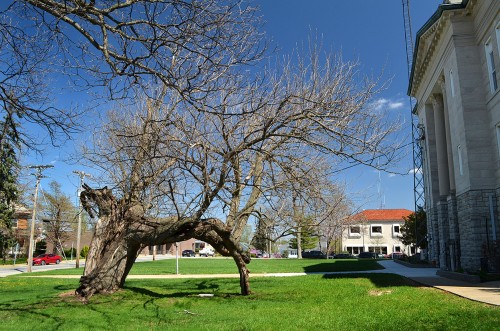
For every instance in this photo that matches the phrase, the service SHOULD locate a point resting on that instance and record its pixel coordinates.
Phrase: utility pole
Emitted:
(38, 176)
(79, 228)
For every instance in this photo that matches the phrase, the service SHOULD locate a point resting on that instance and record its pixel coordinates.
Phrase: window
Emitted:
(452, 84)
(498, 138)
(377, 249)
(498, 37)
(13, 223)
(396, 230)
(376, 230)
(490, 61)
(460, 161)
(355, 250)
(355, 230)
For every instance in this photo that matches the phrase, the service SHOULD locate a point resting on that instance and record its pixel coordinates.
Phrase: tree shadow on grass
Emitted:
(378, 280)
(187, 288)
(344, 266)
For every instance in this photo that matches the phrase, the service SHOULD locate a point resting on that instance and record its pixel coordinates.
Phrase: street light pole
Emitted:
(79, 228)
(38, 176)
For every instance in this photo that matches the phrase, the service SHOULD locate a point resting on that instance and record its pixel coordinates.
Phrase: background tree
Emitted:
(260, 240)
(333, 210)
(416, 221)
(247, 237)
(59, 216)
(308, 234)
(9, 168)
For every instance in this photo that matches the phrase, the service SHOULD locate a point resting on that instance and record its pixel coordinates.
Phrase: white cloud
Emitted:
(383, 103)
(396, 105)
(414, 170)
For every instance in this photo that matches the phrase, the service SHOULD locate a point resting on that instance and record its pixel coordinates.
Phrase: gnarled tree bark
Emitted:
(123, 229)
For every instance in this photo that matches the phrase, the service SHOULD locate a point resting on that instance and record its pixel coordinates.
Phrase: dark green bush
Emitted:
(70, 252)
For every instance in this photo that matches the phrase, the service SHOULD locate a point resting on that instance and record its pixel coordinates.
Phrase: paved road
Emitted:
(7, 270)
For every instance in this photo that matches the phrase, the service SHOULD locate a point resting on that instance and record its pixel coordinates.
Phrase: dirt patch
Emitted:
(378, 293)
(67, 294)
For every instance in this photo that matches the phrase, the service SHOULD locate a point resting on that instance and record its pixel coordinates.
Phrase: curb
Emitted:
(473, 279)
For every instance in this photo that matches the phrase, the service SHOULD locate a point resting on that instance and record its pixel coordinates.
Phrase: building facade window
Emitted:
(354, 250)
(13, 223)
(452, 84)
(497, 30)
(355, 230)
(396, 230)
(377, 249)
(376, 230)
(460, 160)
(490, 61)
(498, 138)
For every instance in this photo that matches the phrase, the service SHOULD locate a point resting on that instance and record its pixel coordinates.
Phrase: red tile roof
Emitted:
(382, 214)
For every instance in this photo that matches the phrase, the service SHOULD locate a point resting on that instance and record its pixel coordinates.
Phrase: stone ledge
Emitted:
(459, 276)
(413, 265)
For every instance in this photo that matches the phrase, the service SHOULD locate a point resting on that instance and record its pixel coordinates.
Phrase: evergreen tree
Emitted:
(308, 235)
(9, 143)
(261, 237)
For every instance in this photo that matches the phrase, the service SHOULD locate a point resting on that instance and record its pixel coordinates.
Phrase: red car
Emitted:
(44, 259)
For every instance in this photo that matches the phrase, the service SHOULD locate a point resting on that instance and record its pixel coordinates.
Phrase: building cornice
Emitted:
(427, 40)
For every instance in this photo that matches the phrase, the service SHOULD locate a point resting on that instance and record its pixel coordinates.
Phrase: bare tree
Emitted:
(99, 46)
(59, 215)
(203, 171)
(184, 45)
(26, 55)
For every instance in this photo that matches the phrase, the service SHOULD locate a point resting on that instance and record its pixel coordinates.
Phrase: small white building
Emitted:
(375, 230)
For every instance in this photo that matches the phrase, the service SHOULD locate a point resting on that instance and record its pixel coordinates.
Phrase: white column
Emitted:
(449, 150)
(441, 148)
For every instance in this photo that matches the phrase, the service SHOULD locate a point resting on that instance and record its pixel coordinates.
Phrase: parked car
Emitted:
(396, 255)
(314, 255)
(188, 253)
(44, 259)
(344, 256)
(207, 251)
(367, 255)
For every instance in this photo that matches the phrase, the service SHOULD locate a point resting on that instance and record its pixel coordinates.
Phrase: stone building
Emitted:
(375, 230)
(455, 81)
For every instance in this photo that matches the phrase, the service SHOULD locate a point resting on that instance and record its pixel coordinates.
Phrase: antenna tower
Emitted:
(418, 177)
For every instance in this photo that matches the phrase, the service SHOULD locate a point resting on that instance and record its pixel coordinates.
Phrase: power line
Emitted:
(82, 176)
(38, 176)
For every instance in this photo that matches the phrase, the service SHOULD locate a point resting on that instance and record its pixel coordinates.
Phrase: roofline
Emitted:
(433, 19)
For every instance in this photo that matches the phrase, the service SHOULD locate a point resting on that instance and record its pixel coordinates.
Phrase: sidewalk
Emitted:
(488, 292)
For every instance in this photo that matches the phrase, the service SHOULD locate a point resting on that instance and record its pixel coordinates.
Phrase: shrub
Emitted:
(84, 252)
(70, 252)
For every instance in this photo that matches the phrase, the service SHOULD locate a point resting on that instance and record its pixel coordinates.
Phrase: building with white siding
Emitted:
(375, 230)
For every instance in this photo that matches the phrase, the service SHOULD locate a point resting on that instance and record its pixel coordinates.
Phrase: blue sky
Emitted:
(373, 33)
(368, 31)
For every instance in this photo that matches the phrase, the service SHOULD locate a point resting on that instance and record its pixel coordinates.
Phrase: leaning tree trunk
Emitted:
(122, 230)
(110, 255)
(244, 275)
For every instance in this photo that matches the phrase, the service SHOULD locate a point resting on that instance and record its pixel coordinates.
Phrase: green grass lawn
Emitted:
(314, 302)
(188, 266)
